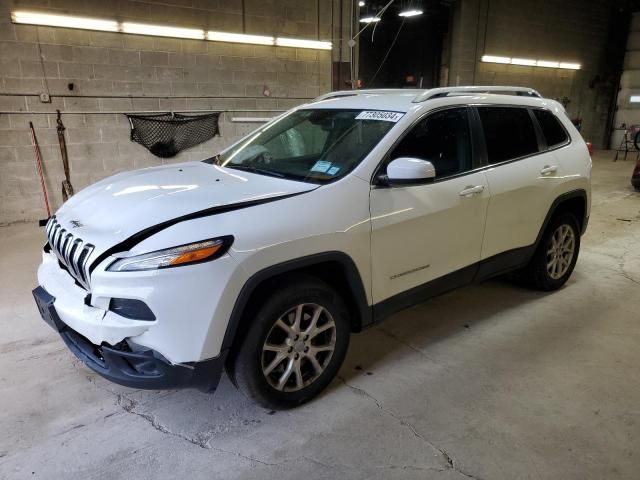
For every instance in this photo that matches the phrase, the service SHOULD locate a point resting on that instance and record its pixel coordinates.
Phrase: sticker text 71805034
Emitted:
(380, 115)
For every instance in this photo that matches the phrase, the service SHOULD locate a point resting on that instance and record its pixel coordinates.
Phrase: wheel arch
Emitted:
(574, 202)
(335, 268)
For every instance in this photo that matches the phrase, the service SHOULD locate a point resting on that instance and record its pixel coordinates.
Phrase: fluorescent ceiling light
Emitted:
(361, 4)
(634, 99)
(530, 62)
(300, 43)
(523, 61)
(239, 38)
(68, 21)
(547, 64)
(494, 59)
(410, 13)
(369, 19)
(162, 31)
(570, 66)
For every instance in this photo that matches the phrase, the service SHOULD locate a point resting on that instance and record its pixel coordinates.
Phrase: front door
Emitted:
(422, 232)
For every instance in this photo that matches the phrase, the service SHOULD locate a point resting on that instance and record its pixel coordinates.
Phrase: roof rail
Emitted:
(373, 91)
(422, 94)
(494, 89)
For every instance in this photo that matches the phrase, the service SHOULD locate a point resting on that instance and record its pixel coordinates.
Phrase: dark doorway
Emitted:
(415, 57)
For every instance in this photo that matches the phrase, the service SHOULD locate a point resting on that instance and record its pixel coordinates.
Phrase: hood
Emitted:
(118, 207)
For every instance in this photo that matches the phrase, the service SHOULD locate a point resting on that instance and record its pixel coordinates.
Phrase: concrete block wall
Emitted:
(114, 72)
(569, 31)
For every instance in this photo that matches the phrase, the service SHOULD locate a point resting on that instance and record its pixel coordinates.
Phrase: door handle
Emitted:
(549, 169)
(472, 190)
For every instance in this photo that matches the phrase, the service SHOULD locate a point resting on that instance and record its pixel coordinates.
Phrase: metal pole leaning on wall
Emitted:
(67, 188)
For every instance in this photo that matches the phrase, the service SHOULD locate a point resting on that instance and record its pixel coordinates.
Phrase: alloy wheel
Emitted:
(560, 251)
(298, 347)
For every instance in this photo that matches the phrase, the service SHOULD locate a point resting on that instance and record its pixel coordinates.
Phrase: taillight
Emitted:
(590, 148)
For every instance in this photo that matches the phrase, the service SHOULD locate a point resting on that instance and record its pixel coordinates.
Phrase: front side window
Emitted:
(316, 146)
(553, 132)
(508, 132)
(443, 138)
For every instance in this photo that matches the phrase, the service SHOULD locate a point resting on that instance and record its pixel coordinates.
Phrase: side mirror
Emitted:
(410, 171)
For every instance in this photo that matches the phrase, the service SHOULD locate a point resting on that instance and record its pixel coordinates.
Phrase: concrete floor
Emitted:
(489, 382)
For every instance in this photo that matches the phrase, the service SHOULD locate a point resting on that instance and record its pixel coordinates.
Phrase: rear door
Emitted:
(521, 177)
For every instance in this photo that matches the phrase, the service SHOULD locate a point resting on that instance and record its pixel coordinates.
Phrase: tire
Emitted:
(556, 255)
(271, 347)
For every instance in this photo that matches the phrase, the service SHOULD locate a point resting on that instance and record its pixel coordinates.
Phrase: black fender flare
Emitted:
(355, 284)
(579, 193)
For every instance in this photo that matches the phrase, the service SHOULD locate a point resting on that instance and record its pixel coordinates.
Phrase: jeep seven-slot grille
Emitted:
(72, 252)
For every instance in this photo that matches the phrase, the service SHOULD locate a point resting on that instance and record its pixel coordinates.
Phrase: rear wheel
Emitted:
(296, 343)
(556, 255)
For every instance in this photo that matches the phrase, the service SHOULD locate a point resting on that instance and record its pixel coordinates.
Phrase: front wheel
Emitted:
(556, 255)
(295, 345)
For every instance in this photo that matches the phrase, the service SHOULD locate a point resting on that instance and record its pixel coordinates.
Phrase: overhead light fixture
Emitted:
(523, 61)
(410, 13)
(239, 38)
(85, 23)
(162, 31)
(570, 66)
(361, 3)
(300, 43)
(634, 99)
(494, 59)
(547, 64)
(369, 19)
(68, 21)
(530, 62)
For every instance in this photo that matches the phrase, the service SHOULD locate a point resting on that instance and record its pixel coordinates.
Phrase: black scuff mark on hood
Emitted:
(136, 238)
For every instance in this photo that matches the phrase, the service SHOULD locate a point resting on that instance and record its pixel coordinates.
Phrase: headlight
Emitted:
(173, 257)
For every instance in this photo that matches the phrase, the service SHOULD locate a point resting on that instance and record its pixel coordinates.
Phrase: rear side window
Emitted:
(553, 131)
(508, 133)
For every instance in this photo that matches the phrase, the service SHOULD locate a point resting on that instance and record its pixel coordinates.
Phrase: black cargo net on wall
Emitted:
(167, 134)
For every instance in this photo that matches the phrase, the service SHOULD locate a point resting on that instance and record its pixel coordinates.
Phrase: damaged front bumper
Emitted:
(73, 307)
(144, 369)
(108, 343)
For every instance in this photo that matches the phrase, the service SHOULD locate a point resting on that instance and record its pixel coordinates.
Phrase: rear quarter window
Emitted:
(552, 129)
(509, 133)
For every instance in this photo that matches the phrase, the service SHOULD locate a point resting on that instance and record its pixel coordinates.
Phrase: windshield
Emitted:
(316, 146)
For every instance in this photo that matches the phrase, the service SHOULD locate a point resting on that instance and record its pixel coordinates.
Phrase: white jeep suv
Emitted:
(265, 258)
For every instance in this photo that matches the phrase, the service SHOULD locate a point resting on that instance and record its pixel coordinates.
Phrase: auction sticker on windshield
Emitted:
(378, 115)
(321, 166)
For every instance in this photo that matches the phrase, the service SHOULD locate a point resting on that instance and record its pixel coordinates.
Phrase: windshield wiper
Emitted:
(257, 170)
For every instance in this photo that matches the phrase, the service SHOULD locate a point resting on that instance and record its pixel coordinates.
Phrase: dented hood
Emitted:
(123, 205)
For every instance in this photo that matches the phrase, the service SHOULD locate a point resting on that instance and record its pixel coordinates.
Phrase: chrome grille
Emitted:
(72, 251)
